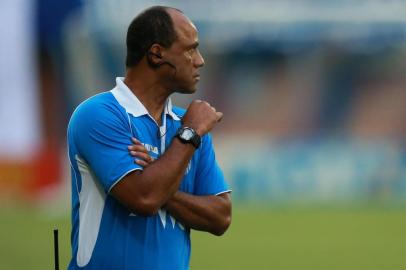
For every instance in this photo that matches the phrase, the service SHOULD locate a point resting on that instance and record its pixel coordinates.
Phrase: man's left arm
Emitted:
(210, 213)
(203, 212)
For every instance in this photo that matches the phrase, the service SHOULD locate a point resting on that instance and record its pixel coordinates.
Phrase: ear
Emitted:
(154, 55)
(156, 49)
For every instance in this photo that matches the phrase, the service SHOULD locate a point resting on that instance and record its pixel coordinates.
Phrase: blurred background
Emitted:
(312, 142)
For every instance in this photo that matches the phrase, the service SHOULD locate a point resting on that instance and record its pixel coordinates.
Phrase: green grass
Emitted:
(259, 238)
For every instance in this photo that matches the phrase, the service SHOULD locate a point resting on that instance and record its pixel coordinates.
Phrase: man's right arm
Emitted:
(145, 192)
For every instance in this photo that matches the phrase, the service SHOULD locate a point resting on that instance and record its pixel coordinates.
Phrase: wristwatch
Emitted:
(189, 135)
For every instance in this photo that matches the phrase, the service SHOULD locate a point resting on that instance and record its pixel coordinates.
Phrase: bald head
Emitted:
(162, 43)
(154, 25)
(183, 26)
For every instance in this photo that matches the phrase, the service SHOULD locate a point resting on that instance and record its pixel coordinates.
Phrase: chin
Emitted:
(187, 90)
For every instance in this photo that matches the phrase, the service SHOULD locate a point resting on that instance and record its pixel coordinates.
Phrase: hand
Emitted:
(201, 116)
(139, 151)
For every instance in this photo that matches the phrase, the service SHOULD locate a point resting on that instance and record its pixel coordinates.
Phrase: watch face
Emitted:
(187, 134)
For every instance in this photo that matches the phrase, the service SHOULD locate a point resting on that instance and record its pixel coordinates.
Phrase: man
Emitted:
(138, 215)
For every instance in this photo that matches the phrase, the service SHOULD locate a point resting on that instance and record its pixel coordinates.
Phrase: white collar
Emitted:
(132, 104)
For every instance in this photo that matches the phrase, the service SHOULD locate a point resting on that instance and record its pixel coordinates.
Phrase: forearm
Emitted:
(163, 176)
(144, 192)
(204, 213)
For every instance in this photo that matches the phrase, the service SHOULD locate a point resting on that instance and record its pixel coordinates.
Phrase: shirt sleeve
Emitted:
(209, 177)
(101, 135)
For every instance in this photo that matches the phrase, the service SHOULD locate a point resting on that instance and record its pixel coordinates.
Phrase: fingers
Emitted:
(141, 162)
(219, 116)
(137, 148)
(142, 159)
(142, 155)
(140, 152)
(135, 141)
(201, 116)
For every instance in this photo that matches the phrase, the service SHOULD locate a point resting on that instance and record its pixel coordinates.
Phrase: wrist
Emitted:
(200, 131)
(188, 135)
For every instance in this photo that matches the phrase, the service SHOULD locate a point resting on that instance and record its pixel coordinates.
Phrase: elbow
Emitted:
(222, 227)
(224, 221)
(138, 197)
(145, 207)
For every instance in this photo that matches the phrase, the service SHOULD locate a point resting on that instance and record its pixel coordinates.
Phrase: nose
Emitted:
(199, 61)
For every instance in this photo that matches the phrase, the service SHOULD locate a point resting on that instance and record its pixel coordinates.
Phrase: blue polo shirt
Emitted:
(105, 234)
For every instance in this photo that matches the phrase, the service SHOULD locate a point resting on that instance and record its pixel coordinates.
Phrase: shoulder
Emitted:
(102, 109)
(95, 103)
(100, 105)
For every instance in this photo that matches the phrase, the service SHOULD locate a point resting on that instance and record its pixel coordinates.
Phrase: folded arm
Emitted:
(145, 191)
(209, 213)
(204, 213)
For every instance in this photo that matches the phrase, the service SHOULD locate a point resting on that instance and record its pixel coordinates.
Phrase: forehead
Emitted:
(185, 30)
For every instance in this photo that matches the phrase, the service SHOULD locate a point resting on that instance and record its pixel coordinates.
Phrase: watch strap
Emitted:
(195, 140)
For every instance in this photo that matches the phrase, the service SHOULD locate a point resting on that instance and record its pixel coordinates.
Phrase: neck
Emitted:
(149, 91)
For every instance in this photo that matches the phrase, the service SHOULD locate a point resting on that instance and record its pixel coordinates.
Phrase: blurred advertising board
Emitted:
(328, 169)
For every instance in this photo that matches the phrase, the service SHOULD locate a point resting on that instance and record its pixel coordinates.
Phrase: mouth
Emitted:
(196, 77)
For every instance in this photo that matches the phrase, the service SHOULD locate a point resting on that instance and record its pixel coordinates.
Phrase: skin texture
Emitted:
(204, 213)
(145, 192)
(153, 86)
